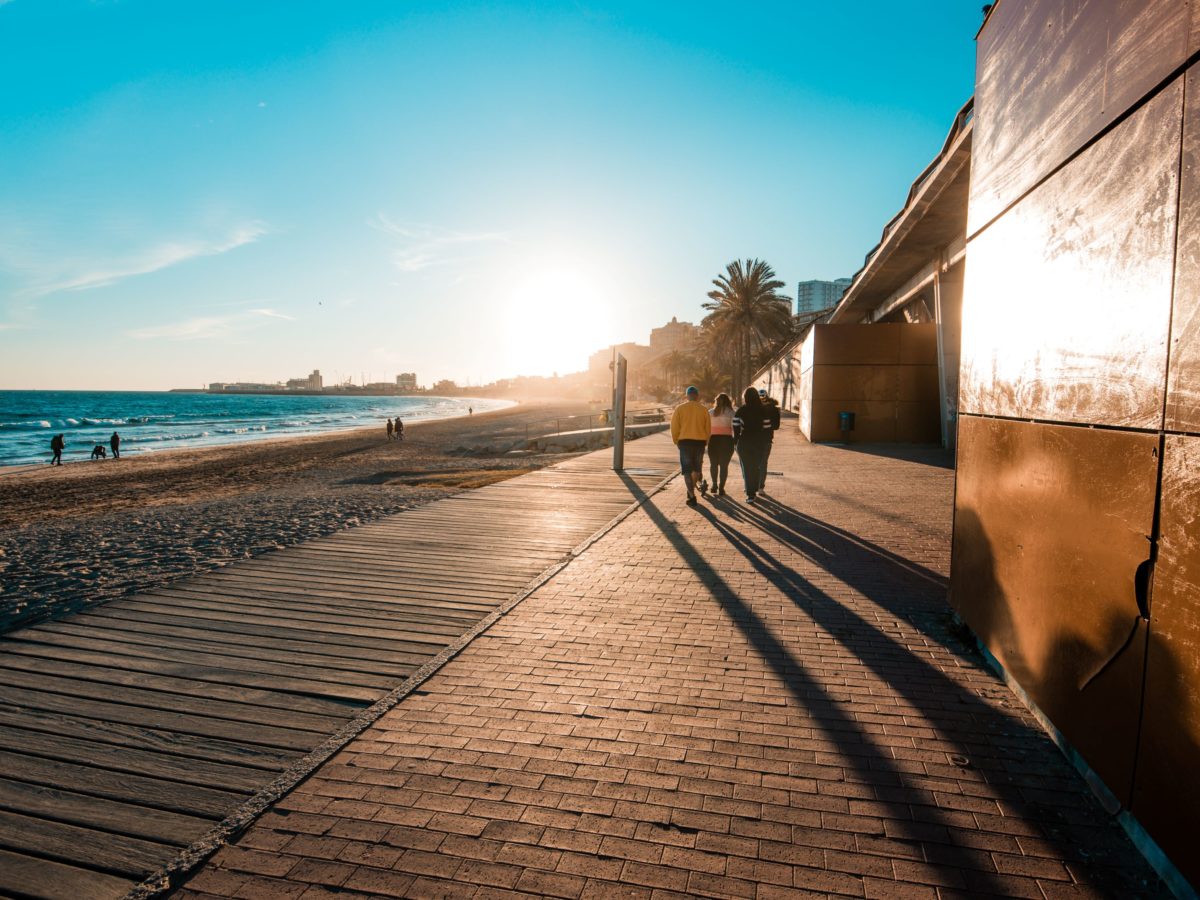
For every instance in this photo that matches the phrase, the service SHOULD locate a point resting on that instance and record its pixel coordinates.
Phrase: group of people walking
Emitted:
(750, 429)
(395, 430)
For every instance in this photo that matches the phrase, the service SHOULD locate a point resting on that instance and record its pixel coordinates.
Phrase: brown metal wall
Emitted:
(886, 374)
(1073, 278)
(1081, 309)
(1044, 571)
(1053, 74)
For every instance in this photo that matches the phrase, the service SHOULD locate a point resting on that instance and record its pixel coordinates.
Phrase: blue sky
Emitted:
(194, 192)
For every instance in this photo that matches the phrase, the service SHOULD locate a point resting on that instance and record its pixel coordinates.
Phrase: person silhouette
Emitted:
(389, 429)
(56, 446)
(115, 443)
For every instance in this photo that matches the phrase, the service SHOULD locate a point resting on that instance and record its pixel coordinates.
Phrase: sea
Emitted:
(149, 421)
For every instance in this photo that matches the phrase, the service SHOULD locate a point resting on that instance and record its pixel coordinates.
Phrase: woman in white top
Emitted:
(720, 443)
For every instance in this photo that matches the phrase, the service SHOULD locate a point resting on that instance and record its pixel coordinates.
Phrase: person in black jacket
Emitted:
(115, 443)
(748, 430)
(770, 426)
(56, 447)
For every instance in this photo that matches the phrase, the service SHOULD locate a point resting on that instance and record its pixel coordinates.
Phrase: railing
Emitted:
(595, 420)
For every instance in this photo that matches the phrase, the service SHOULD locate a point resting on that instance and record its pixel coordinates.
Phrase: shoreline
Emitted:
(75, 536)
(7, 469)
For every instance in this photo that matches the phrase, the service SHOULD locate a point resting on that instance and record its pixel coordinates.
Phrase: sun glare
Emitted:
(554, 320)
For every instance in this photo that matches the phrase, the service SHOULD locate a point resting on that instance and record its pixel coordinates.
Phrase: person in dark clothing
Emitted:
(748, 430)
(98, 452)
(399, 429)
(770, 426)
(115, 443)
(389, 429)
(56, 447)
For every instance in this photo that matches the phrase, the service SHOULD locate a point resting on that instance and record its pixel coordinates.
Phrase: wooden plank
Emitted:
(106, 815)
(187, 681)
(390, 660)
(69, 843)
(164, 719)
(199, 667)
(319, 640)
(369, 610)
(202, 802)
(134, 761)
(270, 602)
(31, 876)
(413, 632)
(180, 745)
(13, 674)
(324, 670)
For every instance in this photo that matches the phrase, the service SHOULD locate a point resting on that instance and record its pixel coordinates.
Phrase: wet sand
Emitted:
(84, 533)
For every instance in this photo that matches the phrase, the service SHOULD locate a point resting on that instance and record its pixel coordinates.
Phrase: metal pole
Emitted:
(619, 417)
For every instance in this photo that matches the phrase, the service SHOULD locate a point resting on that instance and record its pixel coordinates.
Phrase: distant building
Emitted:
(312, 382)
(675, 335)
(814, 295)
(406, 381)
(633, 353)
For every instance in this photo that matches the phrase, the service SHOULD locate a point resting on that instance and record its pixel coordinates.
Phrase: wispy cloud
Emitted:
(153, 259)
(205, 327)
(422, 246)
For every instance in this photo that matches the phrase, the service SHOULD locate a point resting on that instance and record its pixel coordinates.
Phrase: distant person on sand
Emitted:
(690, 428)
(770, 426)
(470, 410)
(56, 447)
(399, 429)
(389, 427)
(98, 452)
(720, 443)
(115, 443)
(748, 430)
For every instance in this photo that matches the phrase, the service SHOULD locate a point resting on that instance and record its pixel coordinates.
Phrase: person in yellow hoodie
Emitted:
(690, 430)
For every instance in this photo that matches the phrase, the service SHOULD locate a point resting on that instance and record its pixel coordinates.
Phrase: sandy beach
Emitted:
(81, 534)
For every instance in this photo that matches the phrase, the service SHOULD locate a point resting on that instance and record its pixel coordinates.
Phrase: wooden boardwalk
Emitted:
(128, 732)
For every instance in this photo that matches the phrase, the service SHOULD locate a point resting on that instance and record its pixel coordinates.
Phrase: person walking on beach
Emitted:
(770, 426)
(399, 429)
(720, 442)
(115, 443)
(690, 428)
(748, 430)
(389, 429)
(56, 447)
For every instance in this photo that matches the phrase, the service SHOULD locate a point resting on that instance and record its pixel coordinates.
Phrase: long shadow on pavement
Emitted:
(959, 716)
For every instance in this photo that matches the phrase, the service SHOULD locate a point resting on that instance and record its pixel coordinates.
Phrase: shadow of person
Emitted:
(980, 746)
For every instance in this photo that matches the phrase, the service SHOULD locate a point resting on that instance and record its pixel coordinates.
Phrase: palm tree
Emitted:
(673, 363)
(710, 381)
(746, 313)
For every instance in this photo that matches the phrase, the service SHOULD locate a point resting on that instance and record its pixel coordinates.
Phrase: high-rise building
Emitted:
(406, 381)
(814, 295)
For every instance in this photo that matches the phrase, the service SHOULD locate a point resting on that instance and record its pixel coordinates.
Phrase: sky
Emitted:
(229, 191)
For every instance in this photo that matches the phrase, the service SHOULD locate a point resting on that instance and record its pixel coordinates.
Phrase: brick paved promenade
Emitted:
(728, 701)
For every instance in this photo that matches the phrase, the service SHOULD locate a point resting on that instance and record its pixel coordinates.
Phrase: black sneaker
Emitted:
(691, 501)
(704, 488)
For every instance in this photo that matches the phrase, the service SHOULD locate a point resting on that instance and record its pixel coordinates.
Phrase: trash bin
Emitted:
(846, 422)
